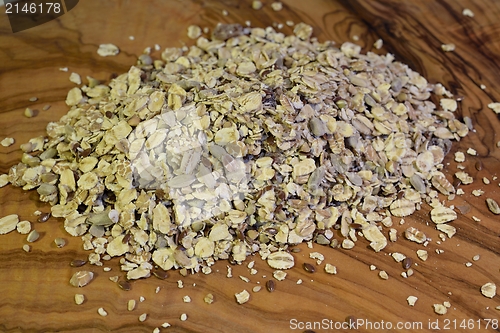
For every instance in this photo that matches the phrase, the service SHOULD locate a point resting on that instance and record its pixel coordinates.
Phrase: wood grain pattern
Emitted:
(34, 288)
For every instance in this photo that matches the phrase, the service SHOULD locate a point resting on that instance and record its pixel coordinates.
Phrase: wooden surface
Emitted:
(35, 295)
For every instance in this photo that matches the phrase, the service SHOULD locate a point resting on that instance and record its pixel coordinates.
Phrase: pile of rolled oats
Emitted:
(248, 142)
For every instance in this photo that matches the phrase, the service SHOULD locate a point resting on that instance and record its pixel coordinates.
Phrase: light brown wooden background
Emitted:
(35, 295)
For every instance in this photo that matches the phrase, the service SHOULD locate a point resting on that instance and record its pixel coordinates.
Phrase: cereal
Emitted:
(411, 300)
(495, 107)
(448, 47)
(102, 312)
(467, 12)
(7, 142)
(277, 6)
(79, 299)
(493, 206)
(108, 50)
(75, 78)
(242, 297)
(440, 309)
(378, 44)
(256, 4)
(196, 153)
(8, 223)
(489, 290)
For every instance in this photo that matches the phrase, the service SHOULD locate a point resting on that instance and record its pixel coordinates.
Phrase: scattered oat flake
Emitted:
(108, 50)
(415, 235)
(194, 31)
(383, 275)
(378, 44)
(449, 230)
(256, 4)
(472, 151)
(489, 289)
(442, 214)
(477, 219)
(143, 317)
(26, 248)
(63, 69)
(330, 269)
(464, 177)
(209, 298)
(279, 275)
(4, 180)
(440, 309)
(131, 304)
(476, 257)
(467, 12)
(75, 78)
(398, 257)
(486, 181)
(411, 300)
(468, 264)
(8, 223)
(242, 297)
(493, 206)
(244, 278)
(422, 255)
(280, 260)
(33, 99)
(7, 142)
(459, 157)
(79, 299)
(102, 312)
(495, 107)
(30, 113)
(277, 6)
(448, 47)
(184, 317)
(477, 192)
(318, 256)
(299, 281)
